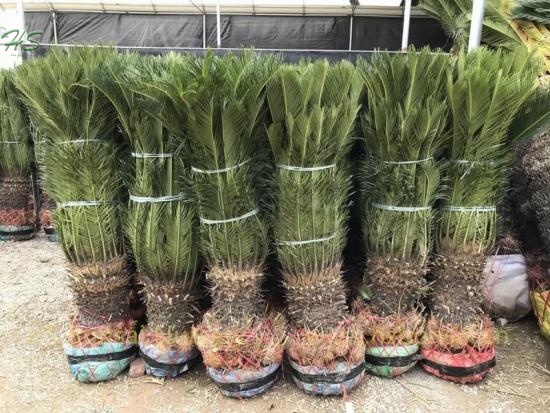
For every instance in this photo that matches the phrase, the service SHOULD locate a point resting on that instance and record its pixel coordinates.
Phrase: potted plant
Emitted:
(506, 283)
(84, 179)
(485, 92)
(313, 108)
(222, 111)
(161, 224)
(403, 128)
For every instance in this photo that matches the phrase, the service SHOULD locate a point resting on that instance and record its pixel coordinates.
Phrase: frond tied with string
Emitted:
(82, 174)
(161, 223)
(313, 108)
(16, 156)
(404, 132)
(226, 148)
(485, 93)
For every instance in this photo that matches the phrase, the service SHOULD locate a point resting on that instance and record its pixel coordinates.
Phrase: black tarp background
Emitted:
(42, 22)
(280, 32)
(150, 31)
(371, 33)
(130, 29)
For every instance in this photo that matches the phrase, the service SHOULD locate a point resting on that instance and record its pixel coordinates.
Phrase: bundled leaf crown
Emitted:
(82, 163)
(163, 236)
(15, 137)
(485, 93)
(222, 112)
(313, 109)
(404, 130)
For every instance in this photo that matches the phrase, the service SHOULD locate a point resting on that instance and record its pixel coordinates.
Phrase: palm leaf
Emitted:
(403, 128)
(163, 236)
(455, 17)
(15, 138)
(313, 107)
(485, 94)
(82, 163)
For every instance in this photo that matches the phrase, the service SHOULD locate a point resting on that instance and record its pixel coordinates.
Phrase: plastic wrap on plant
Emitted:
(468, 366)
(340, 378)
(16, 233)
(170, 363)
(51, 234)
(245, 383)
(541, 306)
(391, 361)
(506, 288)
(101, 363)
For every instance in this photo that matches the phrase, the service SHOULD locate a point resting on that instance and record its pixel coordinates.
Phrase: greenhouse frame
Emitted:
(315, 28)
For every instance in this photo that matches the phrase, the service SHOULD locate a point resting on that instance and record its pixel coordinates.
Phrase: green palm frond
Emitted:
(163, 236)
(404, 130)
(485, 93)
(455, 17)
(226, 127)
(15, 138)
(222, 113)
(497, 31)
(536, 11)
(82, 153)
(533, 117)
(313, 107)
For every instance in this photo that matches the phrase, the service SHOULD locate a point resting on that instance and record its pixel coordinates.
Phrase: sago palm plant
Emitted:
(82, 175)
(507, 24)
(161, 223)
(15, 158)
(530, 19)
(222, 113)
(404, 131)
(485, 92)
(313, 108)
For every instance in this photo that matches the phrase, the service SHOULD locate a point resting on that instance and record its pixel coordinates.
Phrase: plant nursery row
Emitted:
(212, 208)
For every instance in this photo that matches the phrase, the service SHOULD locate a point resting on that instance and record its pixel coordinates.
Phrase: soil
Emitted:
(34, 375)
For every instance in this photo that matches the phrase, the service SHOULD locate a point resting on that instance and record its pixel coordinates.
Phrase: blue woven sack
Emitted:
(339, 378)
(243, 383)
(101, 363)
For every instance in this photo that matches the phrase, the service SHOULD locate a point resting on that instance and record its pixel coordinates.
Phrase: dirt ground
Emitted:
(34, 375)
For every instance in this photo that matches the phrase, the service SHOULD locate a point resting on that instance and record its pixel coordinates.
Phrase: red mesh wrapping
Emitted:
(469, 357)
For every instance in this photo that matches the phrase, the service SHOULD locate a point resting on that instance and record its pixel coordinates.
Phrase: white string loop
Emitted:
(305, 168)
(400, 208)
(219, 171)
(249, 214)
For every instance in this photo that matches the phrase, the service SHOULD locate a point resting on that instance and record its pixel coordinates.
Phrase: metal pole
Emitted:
(477, 24)
(406, 25)
(350, 31)
(54, 20)
(204, 31)
(18, 59)
(218, 30)
(21, 15)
